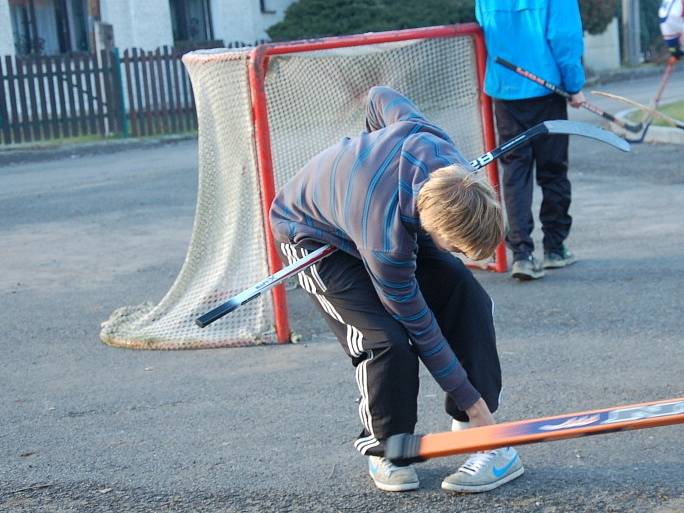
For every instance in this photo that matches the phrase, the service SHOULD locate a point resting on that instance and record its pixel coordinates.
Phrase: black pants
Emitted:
(386, 363)
(550, 154)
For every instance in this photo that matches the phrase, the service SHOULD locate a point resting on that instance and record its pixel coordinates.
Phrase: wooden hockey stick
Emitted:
(651, 111)
(409, 448)
(656, 99)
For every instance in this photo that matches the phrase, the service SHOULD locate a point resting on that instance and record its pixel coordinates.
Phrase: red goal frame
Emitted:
(258, 67)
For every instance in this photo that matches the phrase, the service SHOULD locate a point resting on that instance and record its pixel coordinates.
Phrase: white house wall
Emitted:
(147, 24)
(242, 20)
(266, 20)
(139, 24)
(6, 34)
(602, 52)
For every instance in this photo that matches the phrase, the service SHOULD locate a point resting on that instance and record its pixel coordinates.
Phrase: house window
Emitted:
(191, 21)
(264, 8)
(49, 27)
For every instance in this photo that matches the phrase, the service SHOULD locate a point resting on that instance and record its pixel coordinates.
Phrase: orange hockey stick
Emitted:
(409, 448)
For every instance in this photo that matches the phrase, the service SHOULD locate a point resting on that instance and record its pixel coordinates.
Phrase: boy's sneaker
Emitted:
(558, 259)
(527, 269)
(485, 471)
(390, 477)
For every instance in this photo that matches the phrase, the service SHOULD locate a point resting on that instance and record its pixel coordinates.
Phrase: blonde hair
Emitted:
(460, 208)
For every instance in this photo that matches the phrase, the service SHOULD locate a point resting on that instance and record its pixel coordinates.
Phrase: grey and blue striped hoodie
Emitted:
(360, 196)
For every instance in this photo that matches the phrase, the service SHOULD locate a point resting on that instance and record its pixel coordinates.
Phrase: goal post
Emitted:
(262, 113)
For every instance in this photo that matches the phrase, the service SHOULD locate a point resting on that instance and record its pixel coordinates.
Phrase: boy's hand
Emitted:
(576, 100)
(479, 414)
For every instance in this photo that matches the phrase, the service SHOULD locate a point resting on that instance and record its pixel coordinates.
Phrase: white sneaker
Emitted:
(391, 478)
(485, 471)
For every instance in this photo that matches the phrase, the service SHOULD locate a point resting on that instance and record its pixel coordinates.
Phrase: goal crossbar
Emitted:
(262, 113)
(259, 65)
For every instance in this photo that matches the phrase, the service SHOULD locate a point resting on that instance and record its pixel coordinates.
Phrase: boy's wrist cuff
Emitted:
(465, 395)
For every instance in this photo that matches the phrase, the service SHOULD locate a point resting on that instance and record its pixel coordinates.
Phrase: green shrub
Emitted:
(318, 18)
(597, 14)
(651, 39)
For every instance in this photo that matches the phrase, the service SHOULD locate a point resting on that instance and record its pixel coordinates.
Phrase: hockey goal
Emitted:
(262, 113)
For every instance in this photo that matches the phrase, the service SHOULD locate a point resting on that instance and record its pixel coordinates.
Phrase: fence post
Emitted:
(4, 111)
(121, 103)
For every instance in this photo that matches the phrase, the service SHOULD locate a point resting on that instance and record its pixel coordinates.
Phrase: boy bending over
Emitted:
(396, 201)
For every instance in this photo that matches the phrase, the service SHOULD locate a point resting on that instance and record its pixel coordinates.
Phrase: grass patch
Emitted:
(674, 110)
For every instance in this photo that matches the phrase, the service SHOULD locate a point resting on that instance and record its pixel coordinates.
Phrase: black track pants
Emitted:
(550, 154)
(386, 363)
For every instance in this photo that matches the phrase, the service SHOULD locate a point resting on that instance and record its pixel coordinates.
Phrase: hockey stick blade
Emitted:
(410, 448)
(553, 127)
(585, 130)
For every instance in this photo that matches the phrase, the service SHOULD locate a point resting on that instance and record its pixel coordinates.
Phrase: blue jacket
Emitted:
(541, 36)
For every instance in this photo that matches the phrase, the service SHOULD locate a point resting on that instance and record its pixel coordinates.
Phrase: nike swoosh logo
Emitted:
(499, 472)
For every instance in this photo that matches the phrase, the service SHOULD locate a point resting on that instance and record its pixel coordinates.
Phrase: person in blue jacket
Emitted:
(544, 37)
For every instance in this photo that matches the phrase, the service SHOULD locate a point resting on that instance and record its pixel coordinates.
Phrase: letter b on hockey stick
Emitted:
(482, 161)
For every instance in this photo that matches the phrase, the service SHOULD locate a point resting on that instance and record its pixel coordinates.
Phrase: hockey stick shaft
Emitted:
(264, 285)
(547, 127)
(408, 448)
(553, 87)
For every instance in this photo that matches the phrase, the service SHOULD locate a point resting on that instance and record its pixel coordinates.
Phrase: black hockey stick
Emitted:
(562, 127)
(264, 285)
(553, 87)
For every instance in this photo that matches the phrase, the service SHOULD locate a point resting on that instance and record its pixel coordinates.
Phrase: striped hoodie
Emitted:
(360, 196)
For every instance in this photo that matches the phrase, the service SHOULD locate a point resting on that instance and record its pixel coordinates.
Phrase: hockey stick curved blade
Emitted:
(651, 111)
(408, 448)
(561, 126)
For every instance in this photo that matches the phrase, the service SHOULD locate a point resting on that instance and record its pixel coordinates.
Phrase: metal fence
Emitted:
(134, 93)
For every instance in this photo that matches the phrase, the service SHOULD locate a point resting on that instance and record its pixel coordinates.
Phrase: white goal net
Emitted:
(313, 98)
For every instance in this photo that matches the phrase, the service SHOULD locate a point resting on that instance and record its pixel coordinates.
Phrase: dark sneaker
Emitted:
(558, 259)
(527, 269)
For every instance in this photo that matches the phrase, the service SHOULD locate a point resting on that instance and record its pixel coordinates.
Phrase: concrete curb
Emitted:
(655, 134)
(622, 74)
(15, 154)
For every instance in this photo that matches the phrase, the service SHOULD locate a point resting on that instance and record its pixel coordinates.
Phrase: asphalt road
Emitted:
(85, 427)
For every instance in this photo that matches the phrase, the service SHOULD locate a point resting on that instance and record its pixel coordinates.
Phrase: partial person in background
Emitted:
(544, 37)
(671, 17)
